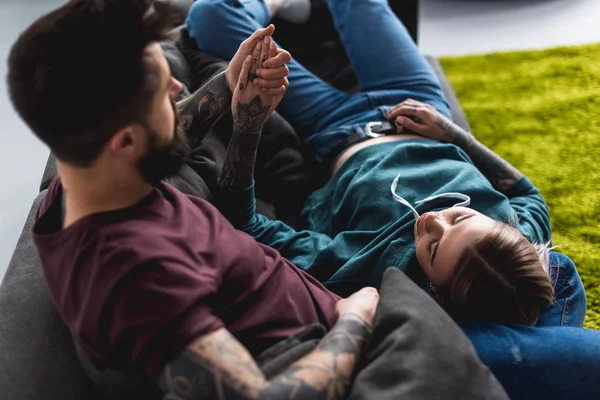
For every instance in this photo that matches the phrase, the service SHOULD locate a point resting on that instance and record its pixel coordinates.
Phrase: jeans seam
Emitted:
(374, 104)
(565, 315)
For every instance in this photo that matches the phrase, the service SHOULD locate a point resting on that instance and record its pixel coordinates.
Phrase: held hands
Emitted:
(362, 304)
(252, 103)
(412, 116)
(272, 76)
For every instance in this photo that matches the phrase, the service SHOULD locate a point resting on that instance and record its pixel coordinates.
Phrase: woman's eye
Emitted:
(429, 245)
(455, 217)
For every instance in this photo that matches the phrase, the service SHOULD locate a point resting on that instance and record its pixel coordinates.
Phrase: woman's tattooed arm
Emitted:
(498, 171)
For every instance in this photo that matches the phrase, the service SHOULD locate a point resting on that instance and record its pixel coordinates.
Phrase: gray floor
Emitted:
(452, 27)
(448, 27)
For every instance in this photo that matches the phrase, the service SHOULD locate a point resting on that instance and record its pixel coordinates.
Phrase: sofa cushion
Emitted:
(418, 352)
(178, 64)
(178, 9)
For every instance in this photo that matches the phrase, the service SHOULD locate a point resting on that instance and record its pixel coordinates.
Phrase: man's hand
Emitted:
(273, 78)
(251, 105)
(362, 304)
(412, 116)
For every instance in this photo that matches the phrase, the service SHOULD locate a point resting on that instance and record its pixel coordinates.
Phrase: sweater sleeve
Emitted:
(532, 211)
(299, 247)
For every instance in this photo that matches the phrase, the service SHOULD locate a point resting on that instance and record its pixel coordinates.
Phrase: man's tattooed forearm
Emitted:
(221, 368)
(349, 335)
(203, 109)
(238, 166)
(498, 171)
(214, 368)
(327, 372)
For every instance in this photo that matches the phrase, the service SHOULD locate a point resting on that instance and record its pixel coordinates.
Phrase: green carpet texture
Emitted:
(540, 110)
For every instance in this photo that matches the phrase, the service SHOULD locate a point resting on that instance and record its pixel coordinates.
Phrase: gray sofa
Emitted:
(38, 358)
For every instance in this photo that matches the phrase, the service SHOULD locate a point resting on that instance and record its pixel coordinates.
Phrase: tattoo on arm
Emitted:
(448, 128)
(203, 109)
(218, 366)
(238, 166)
(250, 117)
(327, 372)
(240, 158)
(498, 171)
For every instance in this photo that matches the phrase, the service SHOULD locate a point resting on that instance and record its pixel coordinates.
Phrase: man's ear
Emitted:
(126, 142)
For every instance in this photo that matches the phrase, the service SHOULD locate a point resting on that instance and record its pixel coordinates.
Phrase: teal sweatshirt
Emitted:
(354, 228)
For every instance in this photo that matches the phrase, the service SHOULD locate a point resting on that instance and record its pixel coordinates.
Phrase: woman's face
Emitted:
(441, 238)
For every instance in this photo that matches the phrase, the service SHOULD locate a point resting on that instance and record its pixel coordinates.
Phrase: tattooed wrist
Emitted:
(327, 372)
(250, 117)
(353, 326)
(447, 127)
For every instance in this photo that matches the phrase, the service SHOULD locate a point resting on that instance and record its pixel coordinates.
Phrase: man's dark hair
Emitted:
(78, 74)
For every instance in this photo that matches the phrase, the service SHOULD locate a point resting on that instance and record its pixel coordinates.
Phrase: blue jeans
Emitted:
(389, 70)
(554, 360)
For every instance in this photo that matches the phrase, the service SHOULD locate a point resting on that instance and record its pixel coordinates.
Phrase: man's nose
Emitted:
(176, 88)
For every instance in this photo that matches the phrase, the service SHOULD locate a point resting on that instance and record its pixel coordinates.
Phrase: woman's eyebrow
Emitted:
(440, 242)
(464, 219)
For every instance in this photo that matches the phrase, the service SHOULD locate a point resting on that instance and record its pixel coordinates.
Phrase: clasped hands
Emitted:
(257, 77)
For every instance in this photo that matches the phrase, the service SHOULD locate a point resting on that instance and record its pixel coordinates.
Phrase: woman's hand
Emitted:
(251, 104)
(272, 71)
(412, 116)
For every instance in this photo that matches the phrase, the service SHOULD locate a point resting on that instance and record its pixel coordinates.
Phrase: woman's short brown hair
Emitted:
(502, 278)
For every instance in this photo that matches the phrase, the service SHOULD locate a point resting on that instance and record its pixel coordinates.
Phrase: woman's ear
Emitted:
(435, 293)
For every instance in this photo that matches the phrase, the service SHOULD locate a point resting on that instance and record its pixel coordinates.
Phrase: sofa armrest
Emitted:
(458, 116)
(49, 173)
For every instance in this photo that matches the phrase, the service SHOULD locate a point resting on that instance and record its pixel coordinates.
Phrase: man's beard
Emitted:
(165, 160)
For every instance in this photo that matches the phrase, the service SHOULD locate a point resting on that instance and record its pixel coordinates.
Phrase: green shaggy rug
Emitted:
(540, 110)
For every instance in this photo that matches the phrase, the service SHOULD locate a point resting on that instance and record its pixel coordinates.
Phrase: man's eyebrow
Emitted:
(434, 253)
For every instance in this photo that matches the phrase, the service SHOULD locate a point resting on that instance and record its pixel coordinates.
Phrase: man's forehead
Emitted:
(155, 55)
